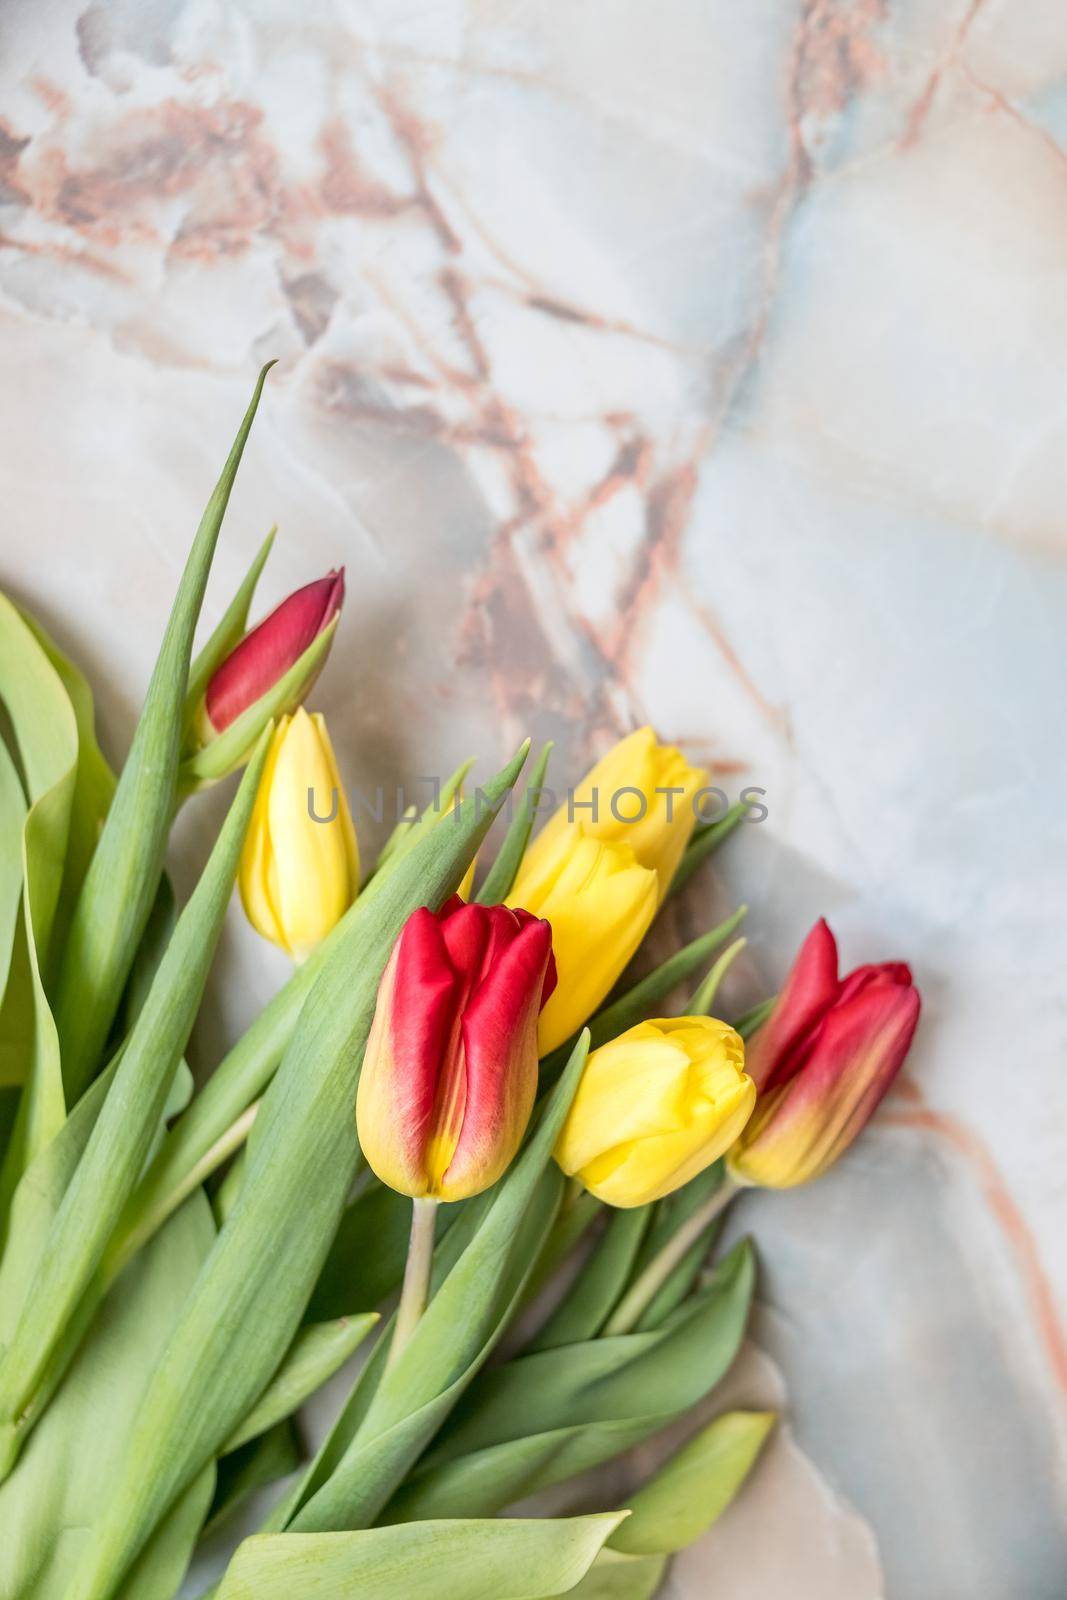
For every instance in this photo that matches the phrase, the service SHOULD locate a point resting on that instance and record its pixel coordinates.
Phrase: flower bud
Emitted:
(655, 1107)
(450, 1070)
(599, 900)
(823, 1060)
(299, 868)
(641, 794)
(266, 654)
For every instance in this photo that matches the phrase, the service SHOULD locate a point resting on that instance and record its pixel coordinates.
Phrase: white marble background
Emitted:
(696, 363)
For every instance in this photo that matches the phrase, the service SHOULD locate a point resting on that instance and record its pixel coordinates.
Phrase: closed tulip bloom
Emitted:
(599, 900)
(266, 654)
(823, 1061)
(299, 875)
(450, 1070)
(641, 793)
(655, 1107)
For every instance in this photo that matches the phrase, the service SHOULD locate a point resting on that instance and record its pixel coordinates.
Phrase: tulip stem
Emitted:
(636, 1301)
(414, 1294)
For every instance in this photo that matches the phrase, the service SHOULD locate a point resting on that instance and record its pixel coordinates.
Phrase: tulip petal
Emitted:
(399, 1079)
(636, 769)
(310, 858)
(599, 901)
(500, 1060)
(807, 994)
(255, 878)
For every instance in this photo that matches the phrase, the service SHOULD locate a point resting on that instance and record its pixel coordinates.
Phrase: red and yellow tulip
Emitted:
(267, 652)
(450, 1071)
(822, 1063)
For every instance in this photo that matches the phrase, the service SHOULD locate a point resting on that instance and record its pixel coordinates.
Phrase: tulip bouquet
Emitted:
(461, 1132)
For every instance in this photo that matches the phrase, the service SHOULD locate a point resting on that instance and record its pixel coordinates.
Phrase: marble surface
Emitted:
(694, 363)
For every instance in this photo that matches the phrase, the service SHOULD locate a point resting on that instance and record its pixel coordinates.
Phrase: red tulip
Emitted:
(265, 655)
(450, 1071)
(822, 1063)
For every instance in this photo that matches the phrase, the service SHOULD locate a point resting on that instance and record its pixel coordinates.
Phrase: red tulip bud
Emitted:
(822, 1062)
(273, 646)
(450, 1071)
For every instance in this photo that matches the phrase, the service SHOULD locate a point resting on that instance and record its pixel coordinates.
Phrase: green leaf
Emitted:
(67, 1472)
(505, 868)
(12, 817)
(46, 735)
(544, 1417)
(704, 999)
(455, 1336)
(120, 884)
(592, 1298)
(318, 1351)
(693, 1489)
(125, 1127)
(617, 1577)
(94, 783)
(302, 1158)
(202, 1138)
(229, 632)
(499, 1560)
(226, 753)
(37, 1199)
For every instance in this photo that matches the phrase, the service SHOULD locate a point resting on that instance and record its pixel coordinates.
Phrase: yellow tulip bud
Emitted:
(599, 901)
(655, 1107)
(299, 875)
(641, 794)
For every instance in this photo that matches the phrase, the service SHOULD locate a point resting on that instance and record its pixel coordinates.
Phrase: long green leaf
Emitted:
(120, 885)
(12, 818)
(317, 1352)
(500, 1560)
(94, 783)
(123, 1131)
(692, 1490)
(617, 1577)
(67, 1472)
(46, 734)
(302, 1157)
(228, 632)
(547, 1416)
(505, 868)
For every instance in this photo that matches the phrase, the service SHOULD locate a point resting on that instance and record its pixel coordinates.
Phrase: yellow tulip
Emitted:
(641, 794)
(655, 1107)
(599, 900)
(298, 876)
